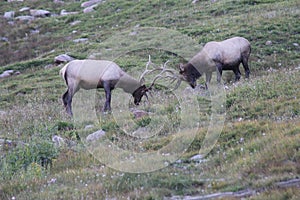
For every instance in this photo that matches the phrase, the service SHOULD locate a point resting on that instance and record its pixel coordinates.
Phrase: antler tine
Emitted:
(147, 70)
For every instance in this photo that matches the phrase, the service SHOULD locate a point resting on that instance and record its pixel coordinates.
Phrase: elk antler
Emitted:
(169, 73)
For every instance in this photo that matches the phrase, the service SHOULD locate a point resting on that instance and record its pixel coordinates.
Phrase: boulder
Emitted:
(90, 3)
(63, 58)
(40, 13)
(95, 136)
(9, 15)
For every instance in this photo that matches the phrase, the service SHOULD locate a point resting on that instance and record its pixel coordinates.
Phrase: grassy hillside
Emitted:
(258, 148)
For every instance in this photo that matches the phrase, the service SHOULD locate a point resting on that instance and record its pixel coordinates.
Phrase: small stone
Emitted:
(269, 43)
(24, 9)
(75, 22)
(197, 157)
(64, 13)
(95, 136)
(63, 58)
(79, 40)
(89, 9)
(90, 3)
(9, 14)
(40, 13)
(25, 18)
(139, 114)
(58, 141)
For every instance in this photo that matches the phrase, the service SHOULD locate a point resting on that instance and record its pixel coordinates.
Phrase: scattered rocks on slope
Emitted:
(9, 73)
(63, 58)
(95, 136)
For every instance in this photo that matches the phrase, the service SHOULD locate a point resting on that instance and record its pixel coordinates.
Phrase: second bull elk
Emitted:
(92, 74)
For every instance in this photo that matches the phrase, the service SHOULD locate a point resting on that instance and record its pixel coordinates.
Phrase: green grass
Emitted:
(258, 146)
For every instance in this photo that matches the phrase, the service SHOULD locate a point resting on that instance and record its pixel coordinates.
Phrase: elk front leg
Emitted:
(107, 90)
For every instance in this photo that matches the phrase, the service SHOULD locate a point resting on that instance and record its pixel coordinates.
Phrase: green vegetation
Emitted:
(259, 145)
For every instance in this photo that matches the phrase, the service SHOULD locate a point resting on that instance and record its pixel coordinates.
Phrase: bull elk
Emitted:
(92, 74)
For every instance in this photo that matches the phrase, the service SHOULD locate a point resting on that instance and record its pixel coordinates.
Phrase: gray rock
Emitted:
(88, 127)
(89, 9)
(95, 136)
(24, 9)
(40, 13)
(269, 43)
(58, 141)
(4, 39)
(139, 114)
(75, 22)
(7, 73)
(63, 58)
(80, 40)
(90, 3)
(9, 15)
(64, 13)
(25, 18)
(15, 0)
(197, 157)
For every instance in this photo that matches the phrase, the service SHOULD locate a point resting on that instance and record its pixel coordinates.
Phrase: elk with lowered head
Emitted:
(218, 56)
(92, 74)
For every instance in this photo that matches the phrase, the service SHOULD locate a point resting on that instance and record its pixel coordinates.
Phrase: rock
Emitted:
(24, 9)
(4, 39)
(64, 13)
(58, 2)
(7, 73)
(15, 0)
(25, 18)
(88, 127)
(58, 141)
(139, 114)
(40, 13)
(63, 58)
(9, 15)
(75, 22)
(269, 43)
(197, 157)
(89, 9)
(95, 136)
(90, 3)
(80, 40)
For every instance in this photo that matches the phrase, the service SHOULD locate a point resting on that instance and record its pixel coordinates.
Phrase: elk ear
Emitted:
(181, 67)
